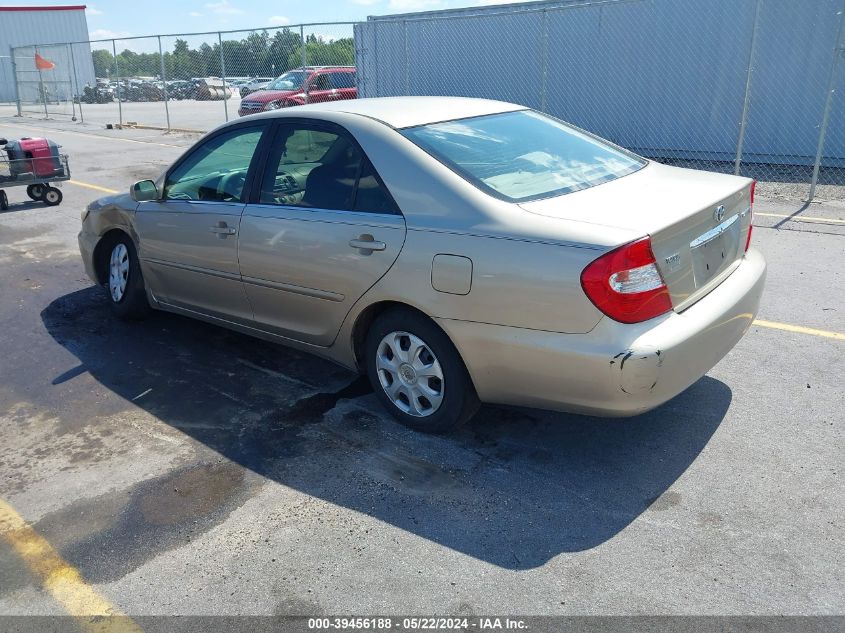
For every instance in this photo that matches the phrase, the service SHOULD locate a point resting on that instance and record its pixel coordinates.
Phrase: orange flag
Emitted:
(43, 64)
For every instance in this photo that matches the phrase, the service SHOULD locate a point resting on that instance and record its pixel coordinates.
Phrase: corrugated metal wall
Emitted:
(667, 78)
(19, 28)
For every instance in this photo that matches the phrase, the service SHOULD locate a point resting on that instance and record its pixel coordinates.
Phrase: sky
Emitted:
(126, 18)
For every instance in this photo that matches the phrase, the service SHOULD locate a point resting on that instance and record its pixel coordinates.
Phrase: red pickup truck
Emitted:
(311, 84)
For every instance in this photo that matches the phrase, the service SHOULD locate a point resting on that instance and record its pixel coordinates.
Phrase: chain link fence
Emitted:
(739, 86)
(7, 76)
(188, 82)
(46, 78)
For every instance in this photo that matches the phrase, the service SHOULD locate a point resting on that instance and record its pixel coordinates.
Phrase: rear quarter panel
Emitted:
(525, 284)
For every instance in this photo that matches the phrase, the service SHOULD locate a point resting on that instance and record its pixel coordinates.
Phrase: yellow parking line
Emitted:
(800, 329)
(88, 185)
(62, 580)
(799, 218)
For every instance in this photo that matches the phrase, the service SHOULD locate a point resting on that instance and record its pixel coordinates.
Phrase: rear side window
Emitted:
(321, 168)
(523, 155)
(371, 195)
(342, 80)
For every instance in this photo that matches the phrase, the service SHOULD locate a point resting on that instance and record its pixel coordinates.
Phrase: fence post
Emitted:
(76, 83)
(163, 83)
(304, 58)
(15, 75)
(223, 75)
(744, 120)
(119, 87)
(831, 89)
(41, 87)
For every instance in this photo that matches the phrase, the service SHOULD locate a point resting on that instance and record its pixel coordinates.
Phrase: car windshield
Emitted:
(523, 155)
(288, 81)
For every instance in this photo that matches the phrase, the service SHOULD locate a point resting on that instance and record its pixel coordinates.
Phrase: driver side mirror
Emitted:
(143, 190)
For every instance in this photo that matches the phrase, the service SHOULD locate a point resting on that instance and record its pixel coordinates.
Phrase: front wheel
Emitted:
(125, 283)
(418, 374)
(4, 201)
(52, 196)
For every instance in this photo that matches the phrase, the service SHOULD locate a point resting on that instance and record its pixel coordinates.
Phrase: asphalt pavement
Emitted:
(179, 468)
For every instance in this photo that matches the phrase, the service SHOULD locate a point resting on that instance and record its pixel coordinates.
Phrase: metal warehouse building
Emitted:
(21, 26)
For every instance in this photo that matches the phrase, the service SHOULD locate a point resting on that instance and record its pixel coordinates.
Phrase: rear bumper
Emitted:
(616, 369)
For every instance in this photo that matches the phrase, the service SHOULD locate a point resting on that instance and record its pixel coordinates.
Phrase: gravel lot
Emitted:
(185, 469)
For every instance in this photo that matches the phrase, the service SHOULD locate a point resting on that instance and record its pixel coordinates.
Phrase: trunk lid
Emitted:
(698, 221)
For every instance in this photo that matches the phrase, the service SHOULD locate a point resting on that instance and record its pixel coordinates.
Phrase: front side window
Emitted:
(321, 82)
(321, 169)
(216, 170)
(523, 155)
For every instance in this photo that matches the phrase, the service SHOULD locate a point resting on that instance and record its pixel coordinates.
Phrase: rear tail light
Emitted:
(626, 285)
(750, 214)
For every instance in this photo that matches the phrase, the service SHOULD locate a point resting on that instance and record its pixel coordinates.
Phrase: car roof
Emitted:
(402, 112)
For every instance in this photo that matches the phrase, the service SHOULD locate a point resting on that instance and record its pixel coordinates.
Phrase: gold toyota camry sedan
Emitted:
(456, 250)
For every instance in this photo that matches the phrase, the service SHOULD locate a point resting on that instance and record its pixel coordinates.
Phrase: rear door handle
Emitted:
(367, 243)
(222, 230)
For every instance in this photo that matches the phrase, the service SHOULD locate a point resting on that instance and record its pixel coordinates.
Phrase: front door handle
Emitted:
(366, 244)
(222, 229)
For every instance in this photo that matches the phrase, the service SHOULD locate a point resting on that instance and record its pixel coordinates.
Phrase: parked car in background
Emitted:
(311, 84)
(237, 84)
(254, 84)
(455, 250)
(101, 93)
(180, 89)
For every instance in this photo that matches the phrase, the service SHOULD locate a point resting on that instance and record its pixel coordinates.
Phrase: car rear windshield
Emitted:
(523, 155)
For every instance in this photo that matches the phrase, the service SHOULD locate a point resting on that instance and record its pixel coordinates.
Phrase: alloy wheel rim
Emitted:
(410, 374)
(118, 272)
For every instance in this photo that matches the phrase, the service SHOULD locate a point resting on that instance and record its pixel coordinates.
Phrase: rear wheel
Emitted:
(125, 284)
(35, 191)
(417, 373)
(4, 201)
(52, 196)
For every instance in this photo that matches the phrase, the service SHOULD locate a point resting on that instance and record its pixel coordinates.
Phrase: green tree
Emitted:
(284, 46)
(103, 63)
(319, 52)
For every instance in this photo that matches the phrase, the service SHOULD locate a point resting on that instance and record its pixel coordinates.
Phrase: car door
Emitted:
(343, 85)
(189, 237)
(319, 88)
(319, 232)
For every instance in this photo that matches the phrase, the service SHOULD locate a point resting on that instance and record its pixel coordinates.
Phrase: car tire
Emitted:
(35, 191)
(124, 281)
(432, 392)
(52, 196)
(4, 201)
